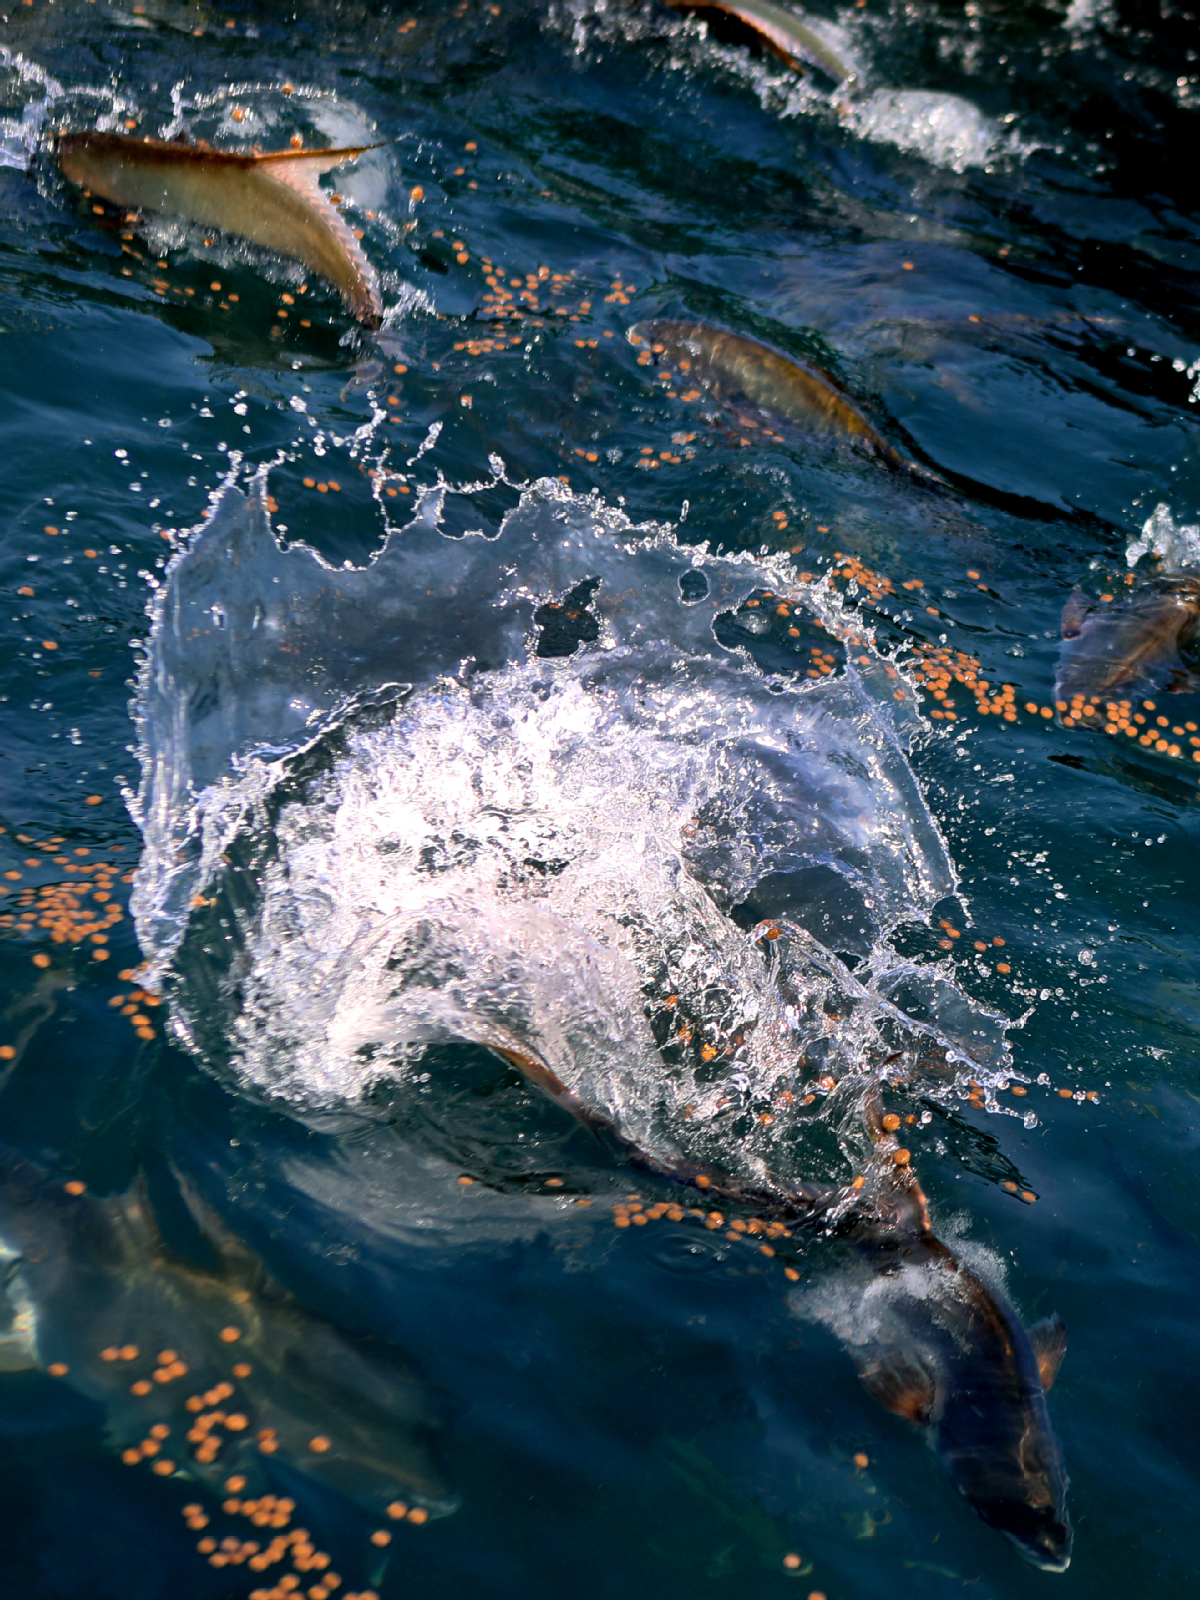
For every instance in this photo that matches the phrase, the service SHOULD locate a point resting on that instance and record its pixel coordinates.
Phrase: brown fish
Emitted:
(1128, 649)
(274, 200)
(943, 1348)
(730, 365)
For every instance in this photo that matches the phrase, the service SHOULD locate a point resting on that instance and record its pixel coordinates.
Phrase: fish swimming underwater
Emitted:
(932, 1340)
(731, 366)
(203, 1371)
(1131, 648)
(796, 39)
(936, 1343)
(378, 821)
(272, 199)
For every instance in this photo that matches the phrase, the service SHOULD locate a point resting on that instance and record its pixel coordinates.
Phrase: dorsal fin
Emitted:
(237, 1259)
(1049, 1341)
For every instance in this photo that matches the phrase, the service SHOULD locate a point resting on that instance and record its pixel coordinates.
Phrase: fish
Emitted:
(730, 365)
(218, 1366)
(271, 199)
(946, 1349)
(1131, 648)
(943, 1348)
(796, 39)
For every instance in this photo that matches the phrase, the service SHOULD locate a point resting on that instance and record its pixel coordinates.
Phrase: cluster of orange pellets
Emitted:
(978, 945)
(937, 668)
(76, 909)
(854, 572)
(649, 458)
(1151, 730)
(391, 483)
(620, 292)
(632, 1212)
(532, 295)
(490, 347)
(294, 1545)
(133, 1004)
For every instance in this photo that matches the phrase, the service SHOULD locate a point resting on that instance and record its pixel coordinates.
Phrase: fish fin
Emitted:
(901, 1383)
(1049, 1340)
(300, 170)
(1074, 612)
(237, 1259)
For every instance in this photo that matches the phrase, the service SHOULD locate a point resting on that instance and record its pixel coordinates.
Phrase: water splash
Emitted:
(377, 819)
(1177, 545)
(943, 129)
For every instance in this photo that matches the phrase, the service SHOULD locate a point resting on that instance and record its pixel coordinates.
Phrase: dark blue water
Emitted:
(1004, 279)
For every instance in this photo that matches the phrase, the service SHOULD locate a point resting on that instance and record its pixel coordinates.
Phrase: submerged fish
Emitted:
(1131, 648)
(731, 366)
(931, 1339)
(219, 1368)
(274, 200)
(936, 1343)
(798, 40)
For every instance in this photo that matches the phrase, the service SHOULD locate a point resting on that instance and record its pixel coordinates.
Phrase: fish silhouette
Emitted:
(731, 367)
(272, 199)
(203, 1371)
(1131, 648)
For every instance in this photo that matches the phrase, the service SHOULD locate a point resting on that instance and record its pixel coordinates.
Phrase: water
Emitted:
(435, 823)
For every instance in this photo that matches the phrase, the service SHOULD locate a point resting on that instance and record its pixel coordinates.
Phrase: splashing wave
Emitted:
(377, 819)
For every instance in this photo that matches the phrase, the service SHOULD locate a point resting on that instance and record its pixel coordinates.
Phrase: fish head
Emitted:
(1002, 1453)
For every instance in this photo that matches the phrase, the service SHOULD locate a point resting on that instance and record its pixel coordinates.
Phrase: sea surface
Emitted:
(267, 933)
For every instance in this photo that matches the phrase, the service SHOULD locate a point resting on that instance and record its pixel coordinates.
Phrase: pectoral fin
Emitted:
(1049, 1341)
(1074, 613)
(901, 1383)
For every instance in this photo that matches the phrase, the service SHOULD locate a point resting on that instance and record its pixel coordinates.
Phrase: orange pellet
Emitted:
(74, 1187)
(231, 1335)
(320, 1444)
(418, 1514)
(381, 1537)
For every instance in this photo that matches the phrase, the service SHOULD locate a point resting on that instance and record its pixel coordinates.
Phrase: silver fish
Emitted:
(796, 39)
(272, 199)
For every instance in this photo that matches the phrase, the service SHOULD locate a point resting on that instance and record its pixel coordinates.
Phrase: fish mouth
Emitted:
(1041, 1534)
(1047, 1547)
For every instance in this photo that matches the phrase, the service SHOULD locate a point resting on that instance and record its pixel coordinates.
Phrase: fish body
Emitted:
(97, 1299)
(794, 38)
(936, 1343)
(1128, 649)
(272, 199)
(731, 366)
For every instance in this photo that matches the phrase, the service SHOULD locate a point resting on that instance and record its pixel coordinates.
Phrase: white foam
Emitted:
(540, 856)
(943, 129)
(1176, 544)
